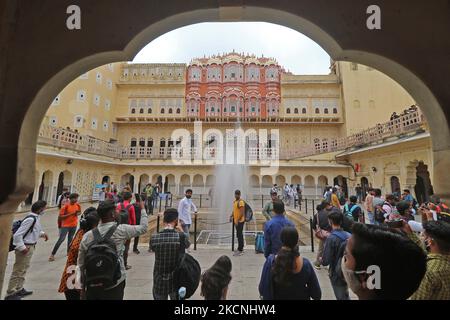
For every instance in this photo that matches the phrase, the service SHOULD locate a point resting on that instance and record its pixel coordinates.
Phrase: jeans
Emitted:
(240, 235)
(186, 228)
(173, 296)
(135, 244)
(62, 236)
(125, 252)
(340, 292)
(115, 293)
(371, 217)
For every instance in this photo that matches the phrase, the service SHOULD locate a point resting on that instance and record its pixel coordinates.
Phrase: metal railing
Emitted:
(69, 139)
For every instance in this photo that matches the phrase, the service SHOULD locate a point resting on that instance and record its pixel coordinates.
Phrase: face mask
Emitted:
(42, 213)
(351, 278)
(188, 196)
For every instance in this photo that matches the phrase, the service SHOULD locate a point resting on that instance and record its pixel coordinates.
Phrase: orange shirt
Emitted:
(71, 221)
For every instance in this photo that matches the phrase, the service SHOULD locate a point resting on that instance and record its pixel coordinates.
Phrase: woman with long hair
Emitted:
(288, 276)
(216, 279)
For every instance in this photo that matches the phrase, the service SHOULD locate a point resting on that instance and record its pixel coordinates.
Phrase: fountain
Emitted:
(231, 174)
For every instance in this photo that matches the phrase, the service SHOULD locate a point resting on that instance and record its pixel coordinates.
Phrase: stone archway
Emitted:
(296, 16)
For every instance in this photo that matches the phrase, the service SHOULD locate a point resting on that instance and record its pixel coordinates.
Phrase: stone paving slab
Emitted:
(44, 277)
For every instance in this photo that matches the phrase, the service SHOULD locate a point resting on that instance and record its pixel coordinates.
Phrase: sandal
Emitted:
(51, 258)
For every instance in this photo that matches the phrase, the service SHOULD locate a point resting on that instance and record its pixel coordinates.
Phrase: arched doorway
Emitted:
(342, 182)
(127, 178)
(143, 181)
(266, 184)
(169, 184)
(254, 184)
(185, 183)
(423, 187)
(197, 184)
(106, 180)
(60, 186)
(395, 186)
(364, 187)
(310, 186)
(45, 186)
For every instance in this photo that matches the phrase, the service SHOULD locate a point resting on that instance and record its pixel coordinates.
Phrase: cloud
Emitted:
(291, 49)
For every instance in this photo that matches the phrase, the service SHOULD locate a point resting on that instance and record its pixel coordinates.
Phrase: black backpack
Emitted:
(16, 225)
(123, 218)
(102, 263)
(248, 212)
(339, 276)
(188, 272)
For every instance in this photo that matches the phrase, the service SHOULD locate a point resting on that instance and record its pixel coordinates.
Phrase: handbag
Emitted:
(320, 233)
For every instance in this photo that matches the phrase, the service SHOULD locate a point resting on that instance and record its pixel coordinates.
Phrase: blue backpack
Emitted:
(349, 212)
(259, 242)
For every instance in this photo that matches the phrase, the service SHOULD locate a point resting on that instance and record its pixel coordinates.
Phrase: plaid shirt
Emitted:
(167, 247)
(436, 282)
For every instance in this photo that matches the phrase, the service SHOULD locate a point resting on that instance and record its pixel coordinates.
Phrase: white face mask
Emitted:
(351, 278)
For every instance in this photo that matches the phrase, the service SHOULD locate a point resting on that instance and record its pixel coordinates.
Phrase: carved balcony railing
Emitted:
(408, 123)
(68, 139)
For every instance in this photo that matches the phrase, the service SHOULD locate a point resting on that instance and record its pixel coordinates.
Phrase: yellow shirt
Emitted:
(335, 201)
(237, 217)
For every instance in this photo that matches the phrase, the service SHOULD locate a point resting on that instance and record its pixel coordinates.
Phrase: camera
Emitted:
(396, 223)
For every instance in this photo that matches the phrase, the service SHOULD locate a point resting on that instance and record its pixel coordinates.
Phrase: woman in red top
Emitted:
(67, 286)
(68, 219)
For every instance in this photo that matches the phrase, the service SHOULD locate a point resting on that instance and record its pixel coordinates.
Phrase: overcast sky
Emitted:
(294, 51)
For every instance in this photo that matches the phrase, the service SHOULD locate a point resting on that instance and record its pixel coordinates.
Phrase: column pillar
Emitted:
(36, 187)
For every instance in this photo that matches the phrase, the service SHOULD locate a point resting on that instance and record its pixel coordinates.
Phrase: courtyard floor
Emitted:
(44, 277)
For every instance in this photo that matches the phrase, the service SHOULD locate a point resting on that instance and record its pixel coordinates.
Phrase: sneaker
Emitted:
(238, 253)
(136, 251)
(13, 296)
(51, 258)
(317, 266)
(128, 267)
(24, 292)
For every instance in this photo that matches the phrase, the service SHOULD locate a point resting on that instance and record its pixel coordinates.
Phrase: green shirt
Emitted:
(435, 284)
(267, 211)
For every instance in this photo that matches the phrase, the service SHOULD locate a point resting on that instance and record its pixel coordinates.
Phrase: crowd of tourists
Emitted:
(411, 109)
(289, 193)
(390, 255)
